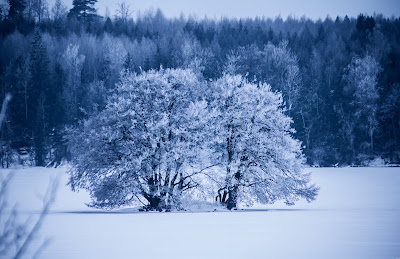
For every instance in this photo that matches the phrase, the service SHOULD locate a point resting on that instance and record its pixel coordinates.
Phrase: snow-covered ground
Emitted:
(356, 215)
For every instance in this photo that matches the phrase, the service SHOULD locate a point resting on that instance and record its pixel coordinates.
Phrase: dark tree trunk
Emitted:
(231, 203)
(152, 197)
(230, 195)
(155, 203)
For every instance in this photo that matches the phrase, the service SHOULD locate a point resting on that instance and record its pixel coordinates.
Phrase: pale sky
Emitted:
(251, 8)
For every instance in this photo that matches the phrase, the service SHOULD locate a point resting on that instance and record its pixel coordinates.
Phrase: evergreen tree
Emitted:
(108, 25)
(83, 10)
(16, 10)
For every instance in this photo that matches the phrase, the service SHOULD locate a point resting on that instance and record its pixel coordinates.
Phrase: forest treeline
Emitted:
(339, 78)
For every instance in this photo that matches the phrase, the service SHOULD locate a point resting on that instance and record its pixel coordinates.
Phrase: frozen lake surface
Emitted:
(356, 215)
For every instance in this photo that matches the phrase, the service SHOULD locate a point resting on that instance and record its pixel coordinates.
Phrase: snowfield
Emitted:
(356, 215)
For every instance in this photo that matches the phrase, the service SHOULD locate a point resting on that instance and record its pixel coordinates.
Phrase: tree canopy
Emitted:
(166, 135)
(83, 10)
(312, 64)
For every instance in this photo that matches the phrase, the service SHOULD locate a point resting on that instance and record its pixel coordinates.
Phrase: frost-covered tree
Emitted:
(72, 64)
(123, 12)
(4, 9)
(286, 73)
(276, 65)
(39, 9)
(261, 159)
(115, 55)
(58, 11)
(361, 85)
(147, 146)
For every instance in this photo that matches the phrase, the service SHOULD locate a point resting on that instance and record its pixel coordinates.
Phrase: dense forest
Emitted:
(339, 78)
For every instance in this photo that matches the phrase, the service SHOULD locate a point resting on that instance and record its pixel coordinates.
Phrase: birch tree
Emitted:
(361, 84)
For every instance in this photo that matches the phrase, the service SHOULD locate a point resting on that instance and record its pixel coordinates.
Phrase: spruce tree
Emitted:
(83, 10)
(16, 11)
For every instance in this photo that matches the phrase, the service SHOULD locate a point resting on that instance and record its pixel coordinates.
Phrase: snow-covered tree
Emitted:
(72, 63)
(115, 56)
(4, 8)
(147, 146)
(276, 65)
(262, 161)
(58, 11)
(361, 79)
(162, 132)
(123, 12)
(39, 9)
(286, 70)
